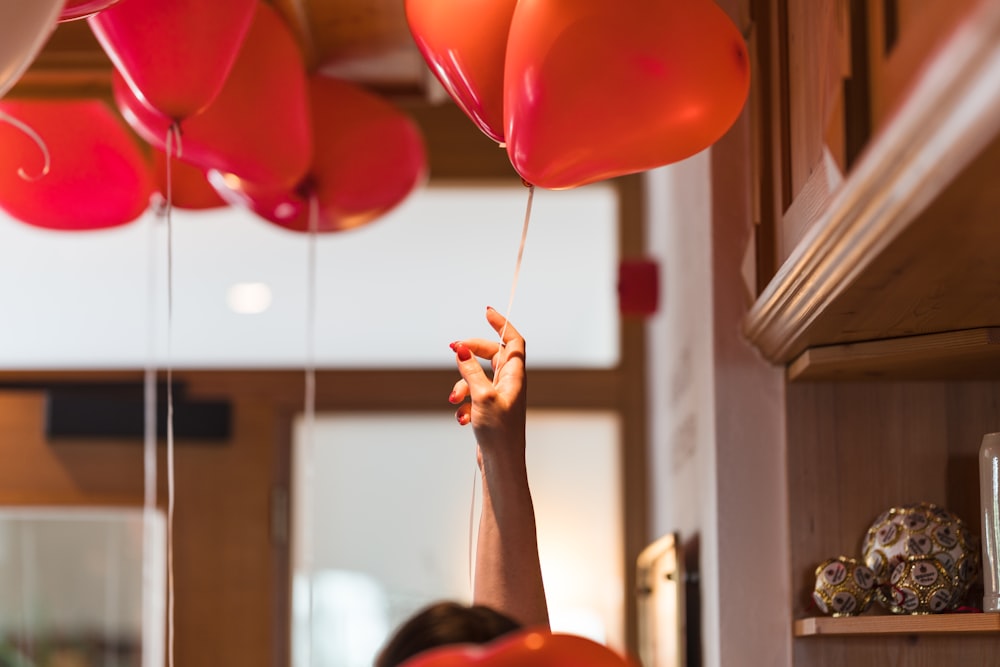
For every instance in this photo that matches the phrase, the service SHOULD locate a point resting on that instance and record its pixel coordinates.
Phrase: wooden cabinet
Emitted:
(882, 211)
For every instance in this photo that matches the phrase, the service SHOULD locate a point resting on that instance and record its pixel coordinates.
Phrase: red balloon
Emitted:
(189, 186)
(99, 175)
(176, 54)
(81, 9)
(258, 126)
(464, 42)
(527, 648)
(602, 88)
(368, 156)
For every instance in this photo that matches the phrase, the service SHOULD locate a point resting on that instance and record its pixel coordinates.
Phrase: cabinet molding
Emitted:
(950, 120)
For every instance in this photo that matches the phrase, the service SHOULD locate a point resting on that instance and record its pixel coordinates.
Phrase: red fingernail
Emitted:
(463, 352)
(452, 345)
(490, 308)
(462, 418)
(451, 397)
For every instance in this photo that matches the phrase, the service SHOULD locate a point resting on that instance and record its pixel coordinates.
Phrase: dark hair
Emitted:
(444, 623)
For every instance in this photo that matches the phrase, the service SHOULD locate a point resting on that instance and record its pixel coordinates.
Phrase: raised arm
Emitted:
(508, 576)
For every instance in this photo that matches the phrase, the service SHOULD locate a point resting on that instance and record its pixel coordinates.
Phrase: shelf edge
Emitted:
(826, 626)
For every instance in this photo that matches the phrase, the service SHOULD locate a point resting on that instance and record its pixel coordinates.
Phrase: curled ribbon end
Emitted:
(28, 130)
(37, 177)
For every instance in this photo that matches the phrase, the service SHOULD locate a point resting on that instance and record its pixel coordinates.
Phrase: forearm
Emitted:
(508, 575)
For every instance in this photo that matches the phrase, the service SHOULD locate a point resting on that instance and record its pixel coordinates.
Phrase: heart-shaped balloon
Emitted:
(601, 88)
(368, 156)
(258, 126)
(99, 175)
(464, 43)
(527, 648)
(175, 55)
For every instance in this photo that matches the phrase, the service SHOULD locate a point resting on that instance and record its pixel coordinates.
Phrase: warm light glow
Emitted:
(249, 298)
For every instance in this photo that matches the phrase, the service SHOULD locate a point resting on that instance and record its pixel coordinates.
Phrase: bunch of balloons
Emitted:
(220, 93)
(584, 90)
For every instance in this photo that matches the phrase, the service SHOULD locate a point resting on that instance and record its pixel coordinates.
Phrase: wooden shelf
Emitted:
(897, 625)
(907, 246)
(960, 355)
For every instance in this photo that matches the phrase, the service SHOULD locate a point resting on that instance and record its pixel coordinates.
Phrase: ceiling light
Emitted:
(249, 298)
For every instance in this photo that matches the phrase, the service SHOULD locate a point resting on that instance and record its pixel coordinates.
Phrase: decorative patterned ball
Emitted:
(920, 585)
(921, 529)
(844, 587)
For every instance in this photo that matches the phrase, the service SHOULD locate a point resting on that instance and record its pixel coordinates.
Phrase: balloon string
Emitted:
(309, 420)
(517, 264)
(28, 591)
(472, 531)
(173, 141)
(149, 580)
(34, 136)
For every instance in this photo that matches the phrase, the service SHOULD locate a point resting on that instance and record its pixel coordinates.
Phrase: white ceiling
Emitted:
(394, 293)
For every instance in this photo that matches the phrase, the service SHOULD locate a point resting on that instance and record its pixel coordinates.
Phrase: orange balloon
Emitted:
(602, 88)
(368, 156)
(189, 186)
(527, 648)
(464, 42)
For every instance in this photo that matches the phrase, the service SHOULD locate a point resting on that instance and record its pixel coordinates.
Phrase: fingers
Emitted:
(464, 414)
(475, 383)
(497, 321)
(472, 373)
(459, 392)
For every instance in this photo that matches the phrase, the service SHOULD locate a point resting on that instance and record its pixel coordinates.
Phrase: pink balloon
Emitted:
(258, 127)
(99, 175)
(368, 156)
(24, 29)
(174, 54)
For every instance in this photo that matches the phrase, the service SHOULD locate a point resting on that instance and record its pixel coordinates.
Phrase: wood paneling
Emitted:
(858, 448)
(226, 588)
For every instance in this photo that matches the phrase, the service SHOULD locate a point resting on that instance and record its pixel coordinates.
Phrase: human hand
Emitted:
(497, 407)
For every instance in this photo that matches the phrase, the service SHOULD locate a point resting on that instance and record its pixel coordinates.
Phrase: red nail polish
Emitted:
(463, 352)
(461, 419)
(452, 345)
(451, 397)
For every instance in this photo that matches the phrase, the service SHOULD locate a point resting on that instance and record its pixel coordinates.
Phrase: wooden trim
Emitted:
(631, 406)
(948, 119)
(959, 355)
(349, 390)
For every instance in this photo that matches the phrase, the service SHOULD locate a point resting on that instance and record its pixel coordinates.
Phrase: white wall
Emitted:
(717, 456)
(681, 393)
(391, 294)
